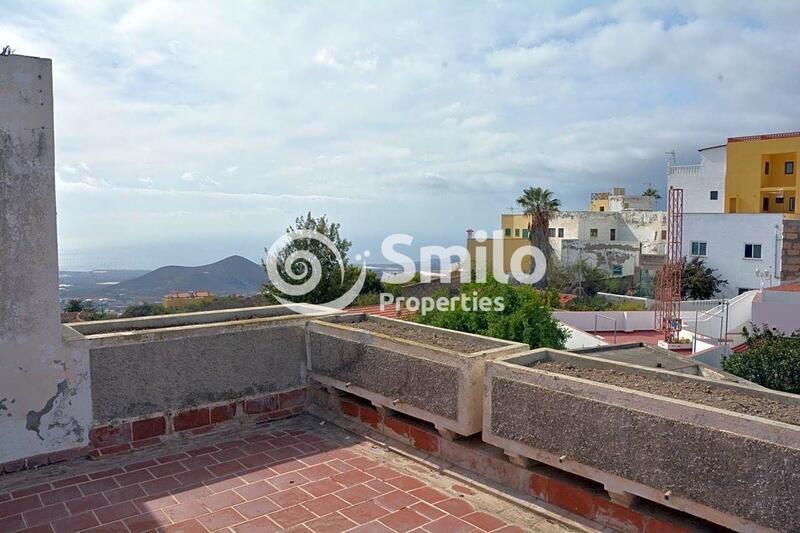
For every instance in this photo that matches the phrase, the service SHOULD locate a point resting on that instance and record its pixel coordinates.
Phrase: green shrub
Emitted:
(526, 316)
(772, 359)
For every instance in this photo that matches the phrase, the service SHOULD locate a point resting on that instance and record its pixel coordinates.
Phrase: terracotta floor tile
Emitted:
(187, 526)
(320, 471)
(157, 486)
(137, 476)
(200, 461)
(364, 512)
(455, 506)
(193, 477)
(87, 503)
(93, 487)
(256, 459)
(220, 519)
(396, 500)
(332, 523)
(485, 521)
(351, 477)
(221, 500)
(291, 465)
(113, 527)
(322, 487)
(124, 494)
(325, 504)
(405, 482)
(189, 495)
(379, 486)
(357, 494)
(155, 501)
(428, 510)
(372, 527)
(60, 495)
(185, 511)
(255, 490)
(224, 469)
(146, 521)
(285, 481)
(256, 508)
(288, 498)
(403, 520)
(223, 484)
(382, 472)
(167, 469)
(291, 516)
(362, 463)
(429, 494)
(115, 512)
(259, 525)
(449, 524)
(75, 523)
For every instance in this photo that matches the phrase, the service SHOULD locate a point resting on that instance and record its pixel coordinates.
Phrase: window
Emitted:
(616, 270)
(791, 204)
(765, 205)
(626, 205)
(779, 200)
(516, 232)
(752, 251)
(713, 195)
(560, 233)
(663, 235)
(508, 232)
(551, 232)
(593, 232)
(525, 233)
(612, 234)
(766, 168)
(788, 167)
(699, 247)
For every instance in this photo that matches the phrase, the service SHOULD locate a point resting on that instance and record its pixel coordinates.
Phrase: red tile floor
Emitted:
(293, 475)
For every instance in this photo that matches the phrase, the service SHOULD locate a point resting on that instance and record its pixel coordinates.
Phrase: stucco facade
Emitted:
(45, 404)
(703, 184)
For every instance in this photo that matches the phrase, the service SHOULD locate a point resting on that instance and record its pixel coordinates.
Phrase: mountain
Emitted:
(232, 275)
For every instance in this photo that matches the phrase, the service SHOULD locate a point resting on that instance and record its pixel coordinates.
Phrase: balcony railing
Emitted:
(684, 170)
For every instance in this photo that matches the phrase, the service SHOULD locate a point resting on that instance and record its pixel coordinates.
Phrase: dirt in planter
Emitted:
(690, 391)
(422, 335)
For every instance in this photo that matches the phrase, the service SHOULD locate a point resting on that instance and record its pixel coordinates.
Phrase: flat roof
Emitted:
(638, 353)
(764, 137)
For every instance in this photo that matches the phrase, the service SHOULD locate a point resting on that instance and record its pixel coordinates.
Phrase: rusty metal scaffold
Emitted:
(668, 288)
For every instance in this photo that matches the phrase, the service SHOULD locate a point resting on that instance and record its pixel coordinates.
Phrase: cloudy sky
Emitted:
(187, 132)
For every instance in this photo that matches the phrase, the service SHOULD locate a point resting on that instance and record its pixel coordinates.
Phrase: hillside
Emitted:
(232, 275)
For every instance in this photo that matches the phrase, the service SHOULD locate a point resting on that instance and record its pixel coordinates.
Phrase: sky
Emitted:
(190, 131)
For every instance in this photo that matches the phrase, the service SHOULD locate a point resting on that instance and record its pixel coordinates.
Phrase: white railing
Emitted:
(728, 317)
(684, 170)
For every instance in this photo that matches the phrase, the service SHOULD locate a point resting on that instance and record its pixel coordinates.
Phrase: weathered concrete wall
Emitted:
(140, 373)
(44, 377)
(790, 252)
(728, 463)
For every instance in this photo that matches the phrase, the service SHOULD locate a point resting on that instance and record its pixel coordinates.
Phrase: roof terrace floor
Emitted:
(298, 474)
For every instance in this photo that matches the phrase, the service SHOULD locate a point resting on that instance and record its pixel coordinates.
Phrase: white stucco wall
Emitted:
(726, 235)
(698, 181)
(45, 398)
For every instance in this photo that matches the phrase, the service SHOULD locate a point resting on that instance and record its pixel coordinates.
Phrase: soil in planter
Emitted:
(413, 332)
(690, 391)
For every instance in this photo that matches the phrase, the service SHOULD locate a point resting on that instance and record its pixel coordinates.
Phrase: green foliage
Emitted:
(652, 193)
(699, 282)
(76, 305)
(372, 283)
(526, 316)
(539, 205)
(566, 278)
(772, 359)
(333, 283)
(145, 309)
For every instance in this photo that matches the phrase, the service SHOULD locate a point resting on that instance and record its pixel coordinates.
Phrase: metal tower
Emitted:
(668, 288)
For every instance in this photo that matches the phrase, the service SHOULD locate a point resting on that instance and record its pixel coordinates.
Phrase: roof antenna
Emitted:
(672, 158)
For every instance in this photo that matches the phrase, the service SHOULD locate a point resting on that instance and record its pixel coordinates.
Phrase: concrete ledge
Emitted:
(676, 453)
(431, 383)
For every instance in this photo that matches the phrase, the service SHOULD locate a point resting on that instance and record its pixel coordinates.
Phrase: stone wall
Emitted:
(790, 255)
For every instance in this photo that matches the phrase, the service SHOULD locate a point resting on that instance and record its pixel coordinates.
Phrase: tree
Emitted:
(699, 282)
(7, 51)
(334, 279)
(576, 278)
(651, 192)
(772, 359)
(539, 205)
(526, 316)
(76, 305)
(144, 309)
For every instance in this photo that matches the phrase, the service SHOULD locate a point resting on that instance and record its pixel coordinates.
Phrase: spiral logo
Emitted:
(304, 268)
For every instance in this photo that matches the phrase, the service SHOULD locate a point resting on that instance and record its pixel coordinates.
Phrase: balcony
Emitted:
(684, 170)
(207, 420)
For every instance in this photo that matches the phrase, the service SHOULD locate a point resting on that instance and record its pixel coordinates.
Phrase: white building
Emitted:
(703, 183)
(736, 245)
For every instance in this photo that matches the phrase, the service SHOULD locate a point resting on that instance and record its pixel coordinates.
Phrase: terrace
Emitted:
(265, 419)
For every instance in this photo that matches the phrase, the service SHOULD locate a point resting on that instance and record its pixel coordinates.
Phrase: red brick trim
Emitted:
(765, 137)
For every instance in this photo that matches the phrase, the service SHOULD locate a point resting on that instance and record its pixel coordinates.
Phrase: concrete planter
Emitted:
(733, 469)
(439, 385)
(158, 364)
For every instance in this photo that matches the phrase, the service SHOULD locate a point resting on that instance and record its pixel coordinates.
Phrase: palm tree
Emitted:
(539, 205)
(650, 191)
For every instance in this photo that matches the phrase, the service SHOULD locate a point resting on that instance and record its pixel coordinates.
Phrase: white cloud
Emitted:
(413, 106)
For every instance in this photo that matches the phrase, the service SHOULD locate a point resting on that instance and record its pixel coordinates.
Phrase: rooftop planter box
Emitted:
(722, 451)
(146, 365)
(429, 373)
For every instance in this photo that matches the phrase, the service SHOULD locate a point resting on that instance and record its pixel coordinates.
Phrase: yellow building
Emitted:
(598, 202)
(761, 173)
